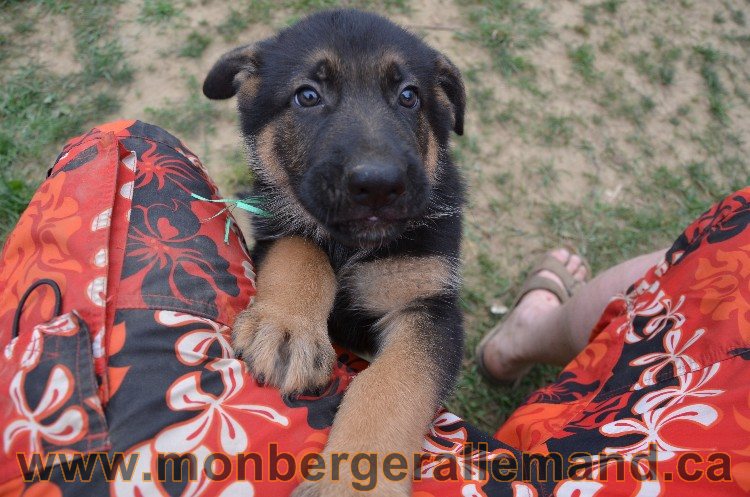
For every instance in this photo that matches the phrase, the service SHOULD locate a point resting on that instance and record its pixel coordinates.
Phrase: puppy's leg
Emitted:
(283, 336)
(389, 406)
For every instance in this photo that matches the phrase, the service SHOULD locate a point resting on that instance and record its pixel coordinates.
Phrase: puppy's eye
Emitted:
(306, 97)
(408, 97)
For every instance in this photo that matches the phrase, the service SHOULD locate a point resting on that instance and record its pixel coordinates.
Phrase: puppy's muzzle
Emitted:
(376, 185)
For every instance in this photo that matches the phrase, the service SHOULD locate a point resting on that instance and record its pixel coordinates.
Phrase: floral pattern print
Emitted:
(48, 378)
(141, 362)
(69, 427)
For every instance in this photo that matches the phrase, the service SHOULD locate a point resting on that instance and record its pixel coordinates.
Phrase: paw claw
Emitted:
(290, 353)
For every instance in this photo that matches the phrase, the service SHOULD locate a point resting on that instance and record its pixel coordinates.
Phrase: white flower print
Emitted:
(661, 312)
(650, 425)
(674, 354)
(146, 462)
(186, 394)
(691, 384)
(472, 490)
(467, 467)
(69, 427)
(192, 347)
(62, 325)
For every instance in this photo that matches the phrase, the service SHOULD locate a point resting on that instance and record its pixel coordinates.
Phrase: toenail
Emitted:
(560, 254)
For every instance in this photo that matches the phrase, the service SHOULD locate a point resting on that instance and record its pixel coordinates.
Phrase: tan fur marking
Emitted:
(297, 277)
(322, 54)
(247, 75)
(442, 97)
(386, 285)
(296, 289)
(332, 62)
(388, 59)
(431, 157)
(248, 88)
(444, 101)
(388, 407)
(269, 161)
(428, 148)
(266, 163)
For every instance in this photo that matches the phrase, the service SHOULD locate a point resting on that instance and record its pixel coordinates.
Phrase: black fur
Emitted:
(360, 122)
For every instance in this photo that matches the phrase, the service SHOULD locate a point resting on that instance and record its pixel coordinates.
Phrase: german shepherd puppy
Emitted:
(347, 117)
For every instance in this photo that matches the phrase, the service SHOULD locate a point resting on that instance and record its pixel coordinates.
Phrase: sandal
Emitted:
(534, 282)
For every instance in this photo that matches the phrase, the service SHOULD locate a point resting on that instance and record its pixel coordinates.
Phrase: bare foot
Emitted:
(505, 354)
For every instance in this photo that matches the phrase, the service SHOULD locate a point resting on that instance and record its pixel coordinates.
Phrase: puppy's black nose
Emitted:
(376, 185)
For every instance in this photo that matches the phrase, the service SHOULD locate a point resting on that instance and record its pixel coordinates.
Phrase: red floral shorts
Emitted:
(117, 289)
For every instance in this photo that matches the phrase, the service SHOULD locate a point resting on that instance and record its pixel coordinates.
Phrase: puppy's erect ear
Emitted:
(449, 81)
(232, 69)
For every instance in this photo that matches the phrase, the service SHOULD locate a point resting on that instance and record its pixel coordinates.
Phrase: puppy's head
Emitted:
(347, 116)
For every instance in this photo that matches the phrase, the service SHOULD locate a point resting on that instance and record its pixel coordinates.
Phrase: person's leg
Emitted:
(541, 329)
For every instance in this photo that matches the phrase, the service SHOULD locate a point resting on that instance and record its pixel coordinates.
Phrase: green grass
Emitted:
(710, 59)
(611, 6)
(158, 11)
(660, 67)
(238, 19)
(40, 109)
(591, 12)
(14, 195)
(582, 58)
(610, 232)
(237, 176)
(547, 175)
(195, 44)
(556, 130)
(506, 28)
(739, 17)
(622, 101)
(100, 52)
(191, 118)
(262, 12)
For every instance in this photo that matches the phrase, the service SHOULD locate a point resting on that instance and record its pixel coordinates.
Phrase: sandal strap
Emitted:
(537, 282)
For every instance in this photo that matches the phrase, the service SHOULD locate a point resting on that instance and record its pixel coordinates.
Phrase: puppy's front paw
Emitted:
(290, 352)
